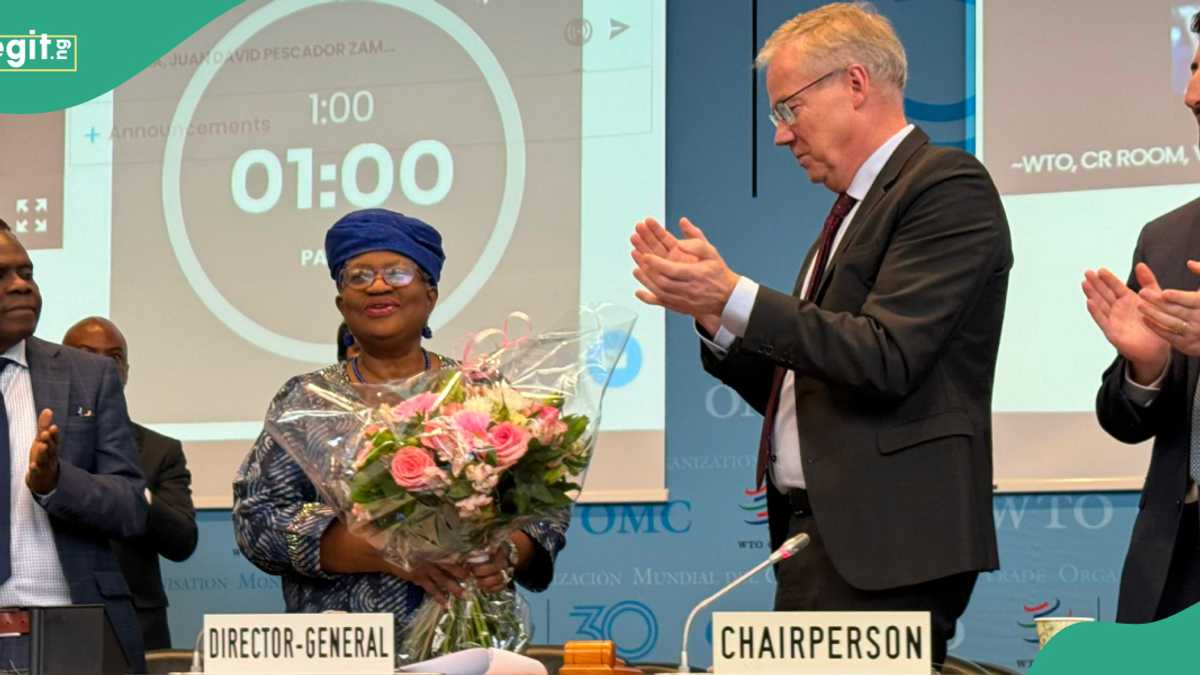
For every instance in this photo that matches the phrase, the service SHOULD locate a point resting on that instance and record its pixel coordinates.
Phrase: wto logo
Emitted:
(631, 625)
(674, 517)
(756, 509)
(1044, 608)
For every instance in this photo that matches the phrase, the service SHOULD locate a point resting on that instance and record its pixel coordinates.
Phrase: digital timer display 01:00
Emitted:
(347, 172)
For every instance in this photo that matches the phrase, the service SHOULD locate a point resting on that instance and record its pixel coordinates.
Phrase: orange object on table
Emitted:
(593, 657)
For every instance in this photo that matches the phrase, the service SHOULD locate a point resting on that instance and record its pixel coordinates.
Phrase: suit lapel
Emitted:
(49, 377)
(863, 217)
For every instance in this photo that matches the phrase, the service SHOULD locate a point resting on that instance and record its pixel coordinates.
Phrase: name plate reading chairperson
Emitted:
(822, 643)
(300, 644)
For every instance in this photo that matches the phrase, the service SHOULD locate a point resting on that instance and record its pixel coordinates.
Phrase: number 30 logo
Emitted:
(623, 623)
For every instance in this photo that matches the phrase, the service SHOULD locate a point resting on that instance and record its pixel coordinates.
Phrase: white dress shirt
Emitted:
(37, 578)
(787, 469)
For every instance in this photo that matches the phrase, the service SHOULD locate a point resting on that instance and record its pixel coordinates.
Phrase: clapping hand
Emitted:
(685, 275)
(1174, 315)
(42, 477)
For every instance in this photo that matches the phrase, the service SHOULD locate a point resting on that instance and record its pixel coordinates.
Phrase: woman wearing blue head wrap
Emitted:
(386, 267)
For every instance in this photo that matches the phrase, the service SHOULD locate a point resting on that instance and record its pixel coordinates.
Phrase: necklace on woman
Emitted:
(358, 373)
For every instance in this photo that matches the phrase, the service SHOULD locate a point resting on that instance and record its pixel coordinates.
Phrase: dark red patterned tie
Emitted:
(837, 214)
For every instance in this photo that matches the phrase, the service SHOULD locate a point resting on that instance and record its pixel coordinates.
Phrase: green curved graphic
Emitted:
(1166, 646)
(114, 42)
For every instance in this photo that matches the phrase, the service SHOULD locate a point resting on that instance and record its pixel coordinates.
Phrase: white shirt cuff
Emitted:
(719, 344)
(736, 314)
(1144, 394)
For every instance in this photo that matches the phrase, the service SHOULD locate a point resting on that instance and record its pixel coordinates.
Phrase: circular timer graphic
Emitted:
(321, 184)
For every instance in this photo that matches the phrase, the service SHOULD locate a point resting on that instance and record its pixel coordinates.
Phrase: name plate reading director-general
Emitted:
(299, 644)
(822, 643)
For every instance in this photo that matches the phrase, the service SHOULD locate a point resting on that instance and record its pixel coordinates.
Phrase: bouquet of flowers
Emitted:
(445, 466)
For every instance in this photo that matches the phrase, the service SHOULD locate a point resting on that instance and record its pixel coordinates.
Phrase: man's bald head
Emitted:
(100, 336)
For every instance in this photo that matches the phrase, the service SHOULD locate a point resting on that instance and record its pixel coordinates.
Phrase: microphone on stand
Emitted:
(787, 550)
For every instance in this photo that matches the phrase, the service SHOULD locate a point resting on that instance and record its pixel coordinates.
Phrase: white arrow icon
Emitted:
(39, 225)
(22, 226)
(22, 206)
(40, 204)
(615, 28)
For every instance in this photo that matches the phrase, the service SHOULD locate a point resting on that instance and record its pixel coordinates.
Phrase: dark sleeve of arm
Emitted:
(171, 525)
(950, 241)
(1122, 418)
(108, 499)
(750, 375)
(549, 537)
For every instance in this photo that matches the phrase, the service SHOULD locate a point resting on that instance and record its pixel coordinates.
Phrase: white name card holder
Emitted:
(299, 644)
(822, 643)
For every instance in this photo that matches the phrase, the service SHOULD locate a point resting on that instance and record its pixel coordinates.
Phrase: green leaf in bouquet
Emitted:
(541, 493)
(460, 489)
(489, 458)
(374, 481)
(383, 442)
(552, 476)
(522, 499)
(576, 425)
(575, 464)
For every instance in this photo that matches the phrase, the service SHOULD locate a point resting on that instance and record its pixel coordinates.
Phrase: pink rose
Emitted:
(510, 441)
(420, 404)
(548, 432)
(409, 468)
(548, 426)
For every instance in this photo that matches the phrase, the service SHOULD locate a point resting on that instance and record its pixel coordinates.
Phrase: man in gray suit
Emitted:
(171, 525)
(69, 479)
(874, 373)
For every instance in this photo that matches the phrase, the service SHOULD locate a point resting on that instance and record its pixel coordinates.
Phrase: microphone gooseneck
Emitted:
(787, 550)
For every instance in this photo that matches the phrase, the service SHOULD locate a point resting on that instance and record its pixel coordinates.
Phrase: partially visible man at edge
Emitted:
(69, 479)
(171, 524)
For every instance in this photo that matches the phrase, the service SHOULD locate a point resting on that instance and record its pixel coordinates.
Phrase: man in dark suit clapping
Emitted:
(69, 479)
(874, 373)
(171, 525)
(1150, 391)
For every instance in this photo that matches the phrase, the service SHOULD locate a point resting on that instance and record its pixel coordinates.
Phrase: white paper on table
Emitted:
(479, 661)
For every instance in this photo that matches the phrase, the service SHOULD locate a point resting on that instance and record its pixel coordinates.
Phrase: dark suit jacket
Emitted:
(170, 530)
(99, 492)
(894, 362)
(1165, 245)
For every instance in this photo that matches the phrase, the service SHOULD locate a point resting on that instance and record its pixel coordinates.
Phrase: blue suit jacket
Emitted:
(100, 487)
